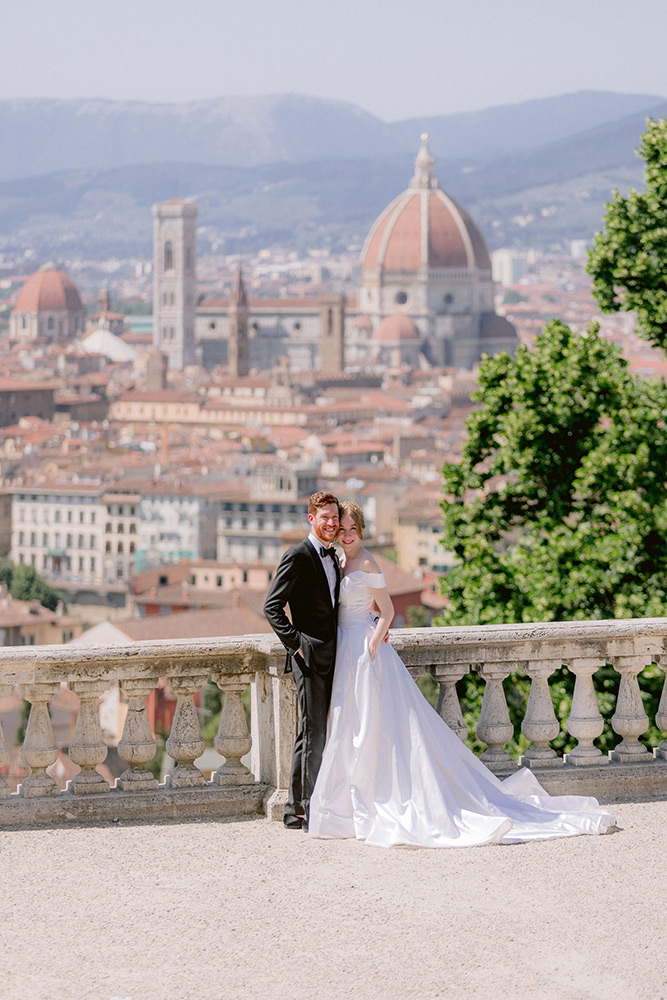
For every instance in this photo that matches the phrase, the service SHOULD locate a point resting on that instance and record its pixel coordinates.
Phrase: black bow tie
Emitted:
(328, 552)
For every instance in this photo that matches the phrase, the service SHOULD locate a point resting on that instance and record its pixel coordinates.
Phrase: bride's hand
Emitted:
(372, 647)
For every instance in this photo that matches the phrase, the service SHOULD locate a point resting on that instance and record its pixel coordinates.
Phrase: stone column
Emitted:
(5, 691)
(185, 741)
(233, 740)
(630, 720)
(137, 745)
(540, 724)
(449, 707)
(585, 722)
(39, 748)
(661, 714)
(494, 727)
(88, 747)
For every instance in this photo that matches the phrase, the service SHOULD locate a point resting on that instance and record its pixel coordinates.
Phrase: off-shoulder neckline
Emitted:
(364, 572)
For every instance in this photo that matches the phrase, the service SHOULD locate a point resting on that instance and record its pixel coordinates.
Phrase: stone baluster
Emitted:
(495, 727)
(5, 791)
(630, 720)
(137, 745)
(185, 741)
(540, 724)
(661, 714)
(585, 722)
(448, 706)
(233, 739)
(39, 749)
(88, 748)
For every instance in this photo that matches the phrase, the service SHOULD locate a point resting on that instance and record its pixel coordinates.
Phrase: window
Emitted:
(132, 547)
(56, 542)
(21, 534)
(92, 564)
(80, 517)
(69, 542)
(168, 256)
(107, 528)
(33, 559)
(132, 529)
(81, 542)
(33, 538)
(121, 529)
(80, 564)
(218, 581)
(69, 516)
(92, 517)
(107, 547)
(401, 298)
(57, 516)
(245, 575)
(50, 323)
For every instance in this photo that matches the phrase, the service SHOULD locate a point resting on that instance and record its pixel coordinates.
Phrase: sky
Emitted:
(396, 59)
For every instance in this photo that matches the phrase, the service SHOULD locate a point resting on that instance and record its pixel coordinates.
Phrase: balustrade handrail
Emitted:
(471, 644)
(447, 653)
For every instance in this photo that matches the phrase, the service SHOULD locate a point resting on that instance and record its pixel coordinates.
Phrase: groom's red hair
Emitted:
(321, 499)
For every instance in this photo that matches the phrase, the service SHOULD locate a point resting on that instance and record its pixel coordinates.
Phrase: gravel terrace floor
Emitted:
(246, 910)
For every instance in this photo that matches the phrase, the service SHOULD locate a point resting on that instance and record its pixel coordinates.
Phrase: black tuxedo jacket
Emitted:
(301, 583)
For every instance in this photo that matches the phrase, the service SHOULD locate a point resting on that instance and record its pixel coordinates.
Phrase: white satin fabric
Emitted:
(394, 773)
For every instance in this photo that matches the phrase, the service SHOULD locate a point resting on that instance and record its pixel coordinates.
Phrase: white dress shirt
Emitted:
(328, 564)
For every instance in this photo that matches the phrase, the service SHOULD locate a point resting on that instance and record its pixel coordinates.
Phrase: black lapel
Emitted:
(316, 560)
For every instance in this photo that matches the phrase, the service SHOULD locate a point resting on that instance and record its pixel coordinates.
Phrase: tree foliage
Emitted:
(628, 261)
(25, 584)
(557, 509)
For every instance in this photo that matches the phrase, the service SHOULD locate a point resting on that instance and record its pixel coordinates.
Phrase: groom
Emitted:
(308, 580)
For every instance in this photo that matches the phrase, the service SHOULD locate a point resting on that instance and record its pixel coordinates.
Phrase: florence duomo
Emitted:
(333, 518)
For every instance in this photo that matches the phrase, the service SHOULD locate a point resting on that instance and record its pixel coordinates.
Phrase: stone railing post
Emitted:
(233, 739)
(540, 724)
(448, 706)
(137, 745)
(279, 730)
(185, 742)
(5, 691)
(630, 720)
(495, 727)
(88, 748)
(39, 749)
(661, 714)
(585, 722)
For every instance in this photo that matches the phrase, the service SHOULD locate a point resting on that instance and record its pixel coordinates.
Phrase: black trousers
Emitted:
(314, 692)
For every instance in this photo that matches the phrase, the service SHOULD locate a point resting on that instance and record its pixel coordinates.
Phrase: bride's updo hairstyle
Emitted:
(355, 512)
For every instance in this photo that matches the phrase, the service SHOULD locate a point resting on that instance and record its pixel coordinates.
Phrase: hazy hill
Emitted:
(42, 136)
(547, 192)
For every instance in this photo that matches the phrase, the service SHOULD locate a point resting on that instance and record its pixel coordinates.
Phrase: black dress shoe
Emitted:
(293, 822)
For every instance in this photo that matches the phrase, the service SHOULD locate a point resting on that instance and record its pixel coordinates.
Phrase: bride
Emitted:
(393, 772)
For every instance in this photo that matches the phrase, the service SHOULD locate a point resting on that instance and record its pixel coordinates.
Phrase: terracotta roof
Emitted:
(48, 290)
(197, 624)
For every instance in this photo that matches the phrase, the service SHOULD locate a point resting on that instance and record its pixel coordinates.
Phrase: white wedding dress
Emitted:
(394, 773)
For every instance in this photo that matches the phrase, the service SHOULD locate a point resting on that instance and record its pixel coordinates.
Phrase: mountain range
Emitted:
(79, 177)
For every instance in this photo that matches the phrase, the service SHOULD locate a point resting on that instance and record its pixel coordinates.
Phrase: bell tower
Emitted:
(174, 281)
(237, 356)
(332, 333)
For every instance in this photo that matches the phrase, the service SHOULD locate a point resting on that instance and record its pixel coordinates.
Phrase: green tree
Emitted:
(25, 584)
(628, 261)
(558, 508)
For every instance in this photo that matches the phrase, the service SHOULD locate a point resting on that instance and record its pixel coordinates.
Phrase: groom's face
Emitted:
(324, 523)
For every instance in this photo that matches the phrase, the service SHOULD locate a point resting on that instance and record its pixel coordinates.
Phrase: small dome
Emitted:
(494, 326)
(424, 227)
(396, 329)
(48, 290)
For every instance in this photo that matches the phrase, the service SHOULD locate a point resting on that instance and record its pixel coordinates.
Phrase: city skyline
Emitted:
(434, 59)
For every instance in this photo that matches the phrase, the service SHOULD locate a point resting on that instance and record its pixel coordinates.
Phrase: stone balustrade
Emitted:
(254, 775)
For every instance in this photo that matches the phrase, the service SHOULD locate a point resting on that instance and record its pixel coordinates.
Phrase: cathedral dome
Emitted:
(424, 228)
(48, 290)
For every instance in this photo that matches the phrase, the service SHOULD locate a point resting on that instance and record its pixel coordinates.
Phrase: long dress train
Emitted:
(394, 773)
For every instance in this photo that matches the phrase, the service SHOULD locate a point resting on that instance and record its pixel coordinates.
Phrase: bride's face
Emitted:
(348, 535)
